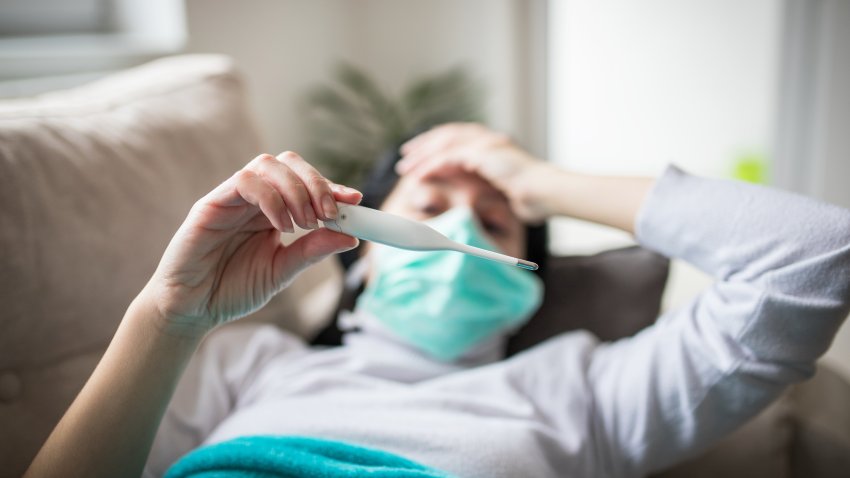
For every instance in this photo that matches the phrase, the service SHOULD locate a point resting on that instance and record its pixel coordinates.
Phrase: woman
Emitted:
(441, 396)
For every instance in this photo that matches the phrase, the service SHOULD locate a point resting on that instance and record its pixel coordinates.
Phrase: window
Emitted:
(52, 17)
(62, 42)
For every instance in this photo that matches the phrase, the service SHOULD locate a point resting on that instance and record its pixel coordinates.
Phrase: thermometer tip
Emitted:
(526, 264)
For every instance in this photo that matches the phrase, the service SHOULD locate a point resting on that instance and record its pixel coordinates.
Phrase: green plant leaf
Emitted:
(353, 120)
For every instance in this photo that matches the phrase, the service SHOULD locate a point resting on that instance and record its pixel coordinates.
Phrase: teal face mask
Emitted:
(445, 302)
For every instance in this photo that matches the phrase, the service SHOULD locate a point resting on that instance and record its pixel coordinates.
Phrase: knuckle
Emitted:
(298, 193)
(199, 205)
(263, 158)
(267, 195)
(289, 156)
(244, 175)
(316, 182)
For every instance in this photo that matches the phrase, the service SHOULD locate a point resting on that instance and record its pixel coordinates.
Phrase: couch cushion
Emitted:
(579, 291)
(821, 447)
(93, 183)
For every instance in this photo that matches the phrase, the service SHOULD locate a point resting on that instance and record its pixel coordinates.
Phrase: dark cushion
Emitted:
(612, 294)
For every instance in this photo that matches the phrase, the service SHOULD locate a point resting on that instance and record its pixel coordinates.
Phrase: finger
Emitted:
(346, 194)
(467, 147)
(259, 193)
(290, 187)
(463, 158)
(437, 139)
(447, 136)
(307, 250)
(415, 158)
(318, 187)
(438, 167)
(417, 141)
(435, 134)
(407, 163)
(443, 140)
(224, 195)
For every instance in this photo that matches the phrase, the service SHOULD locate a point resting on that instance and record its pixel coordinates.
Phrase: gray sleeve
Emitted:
(782, 269)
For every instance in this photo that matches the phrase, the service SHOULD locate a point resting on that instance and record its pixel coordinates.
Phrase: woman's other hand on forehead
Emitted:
(476, 149)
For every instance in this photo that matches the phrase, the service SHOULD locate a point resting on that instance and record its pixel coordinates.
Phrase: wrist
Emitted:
(536, 190)
(145, 308)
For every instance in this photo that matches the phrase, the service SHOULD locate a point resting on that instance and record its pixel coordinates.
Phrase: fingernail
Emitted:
(287, 224)
(344, 249)
(310, 217)
(329, 205)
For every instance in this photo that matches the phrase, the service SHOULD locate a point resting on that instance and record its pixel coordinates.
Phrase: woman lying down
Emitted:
(422, 388)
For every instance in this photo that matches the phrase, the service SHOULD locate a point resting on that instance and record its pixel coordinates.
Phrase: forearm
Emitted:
(109, 428)
(610, 200)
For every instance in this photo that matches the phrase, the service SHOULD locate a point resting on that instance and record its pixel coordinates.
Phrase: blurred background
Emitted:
(752, 90)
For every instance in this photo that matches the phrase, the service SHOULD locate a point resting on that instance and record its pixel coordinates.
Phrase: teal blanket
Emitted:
(287, 456)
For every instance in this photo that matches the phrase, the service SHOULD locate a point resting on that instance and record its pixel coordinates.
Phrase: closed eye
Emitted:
(431, 210)
(495, 229)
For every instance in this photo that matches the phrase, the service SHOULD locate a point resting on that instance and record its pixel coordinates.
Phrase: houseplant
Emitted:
(353, 119)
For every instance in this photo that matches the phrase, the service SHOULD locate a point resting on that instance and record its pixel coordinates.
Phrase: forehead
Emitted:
(452, 181)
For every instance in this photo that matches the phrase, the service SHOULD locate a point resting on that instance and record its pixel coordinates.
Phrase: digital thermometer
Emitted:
(396, 231)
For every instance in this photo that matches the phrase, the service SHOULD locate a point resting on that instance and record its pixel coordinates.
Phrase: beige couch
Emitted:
(94, 181)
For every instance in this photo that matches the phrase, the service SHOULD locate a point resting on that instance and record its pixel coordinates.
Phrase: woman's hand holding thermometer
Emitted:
(396, 231)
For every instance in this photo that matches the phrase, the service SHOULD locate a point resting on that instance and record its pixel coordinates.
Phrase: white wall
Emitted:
(282, 47)
(286, 46)
(637, 85)
(641, 84)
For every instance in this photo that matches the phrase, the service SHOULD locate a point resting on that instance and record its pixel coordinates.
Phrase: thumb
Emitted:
(309, 249)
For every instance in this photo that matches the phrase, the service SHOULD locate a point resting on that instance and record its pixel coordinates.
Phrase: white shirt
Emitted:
(572, 406)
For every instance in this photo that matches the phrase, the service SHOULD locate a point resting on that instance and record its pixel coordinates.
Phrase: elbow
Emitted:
(801, 307)
(828, 282)
(792, 330)
(819, 272)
